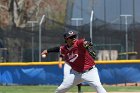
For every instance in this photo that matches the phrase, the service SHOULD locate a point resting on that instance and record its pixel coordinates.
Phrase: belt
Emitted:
(86, 70)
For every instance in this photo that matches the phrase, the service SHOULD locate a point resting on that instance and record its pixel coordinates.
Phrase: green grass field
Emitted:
(51, 89)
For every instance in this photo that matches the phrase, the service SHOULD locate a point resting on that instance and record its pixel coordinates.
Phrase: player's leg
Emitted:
(68, 82)
(93, 79)
(79, 88)
(67, 70)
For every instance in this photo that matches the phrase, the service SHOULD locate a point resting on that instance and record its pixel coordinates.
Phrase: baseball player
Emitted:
(67, 68)
(77, 53)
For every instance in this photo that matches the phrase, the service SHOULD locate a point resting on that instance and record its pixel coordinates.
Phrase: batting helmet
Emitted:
(70, 34)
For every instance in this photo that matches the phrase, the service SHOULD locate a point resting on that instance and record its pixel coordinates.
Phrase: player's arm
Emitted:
(89, 46)
(54, 49)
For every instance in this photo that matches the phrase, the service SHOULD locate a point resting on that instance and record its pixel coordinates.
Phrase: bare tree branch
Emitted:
(4, 7)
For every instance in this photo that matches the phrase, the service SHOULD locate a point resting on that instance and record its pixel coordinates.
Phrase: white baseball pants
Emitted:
(91, 77)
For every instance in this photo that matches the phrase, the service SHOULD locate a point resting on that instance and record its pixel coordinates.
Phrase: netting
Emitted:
(109, 31)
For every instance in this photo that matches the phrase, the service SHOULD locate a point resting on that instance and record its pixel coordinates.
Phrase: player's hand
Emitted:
(60, 62)
(44, 52)
(60, 65)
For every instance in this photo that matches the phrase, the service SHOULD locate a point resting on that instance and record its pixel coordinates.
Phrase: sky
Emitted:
(108, 10)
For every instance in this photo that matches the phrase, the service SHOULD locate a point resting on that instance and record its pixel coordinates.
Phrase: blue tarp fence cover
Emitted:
(52, 75)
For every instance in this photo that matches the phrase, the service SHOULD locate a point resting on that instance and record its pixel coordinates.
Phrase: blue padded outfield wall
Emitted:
(52, 75)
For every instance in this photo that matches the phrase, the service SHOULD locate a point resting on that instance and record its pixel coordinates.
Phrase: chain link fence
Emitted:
(21, 44)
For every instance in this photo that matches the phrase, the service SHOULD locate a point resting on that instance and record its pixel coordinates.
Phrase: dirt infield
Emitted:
(108, 92)
(117, 92)
(124, 92)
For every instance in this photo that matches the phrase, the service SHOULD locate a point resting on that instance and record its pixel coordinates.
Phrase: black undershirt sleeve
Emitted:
(54, 49)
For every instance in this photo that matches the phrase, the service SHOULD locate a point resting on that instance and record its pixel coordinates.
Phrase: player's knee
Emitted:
(61, 90)
(58, 90)
(100, 88)
(98, 85)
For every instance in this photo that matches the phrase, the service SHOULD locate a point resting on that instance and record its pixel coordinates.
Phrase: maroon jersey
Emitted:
(77, 56)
